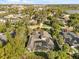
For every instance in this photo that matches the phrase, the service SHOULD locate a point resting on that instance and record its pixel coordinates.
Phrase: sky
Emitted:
(39, 1)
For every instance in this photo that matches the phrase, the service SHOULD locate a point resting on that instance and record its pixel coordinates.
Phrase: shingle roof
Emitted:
(3, 38)
(40, 37)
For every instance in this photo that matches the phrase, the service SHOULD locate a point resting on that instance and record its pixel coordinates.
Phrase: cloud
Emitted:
(15, 1)
(39, 1)
(9, 1)
(27, 1)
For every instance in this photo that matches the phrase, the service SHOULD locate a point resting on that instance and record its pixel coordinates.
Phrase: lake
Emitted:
(72, 11)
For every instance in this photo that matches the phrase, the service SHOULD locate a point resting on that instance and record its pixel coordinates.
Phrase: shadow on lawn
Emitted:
(43, 54)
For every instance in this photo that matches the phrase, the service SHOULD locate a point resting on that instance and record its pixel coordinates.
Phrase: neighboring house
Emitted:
(13, 18)
(40, 9)
(32, 22)
(2, 12)
(13, 33)
(67, 28)
(52, 14)
(9, 16)
(71, 38)
(62, 20)
(65, 17)
(39, 41)
(2, 21)
(3, 39)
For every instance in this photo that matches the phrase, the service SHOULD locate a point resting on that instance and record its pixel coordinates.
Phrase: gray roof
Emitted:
(3, 38)
(40, 40)
(71, 38)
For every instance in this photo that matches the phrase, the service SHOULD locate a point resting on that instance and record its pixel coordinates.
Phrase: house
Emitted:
(65, 16)
(67, 28)
(2, 12)
(40, 40)
(9, 16)
(40, 9)
(32, 22)
(52, 13)
(13, 16)
(3, 39)
(71, 38)
(13, 33)
(2, 20)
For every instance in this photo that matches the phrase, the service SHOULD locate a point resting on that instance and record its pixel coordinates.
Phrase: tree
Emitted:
(74, 22)
(60, 40)
(66, 48)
